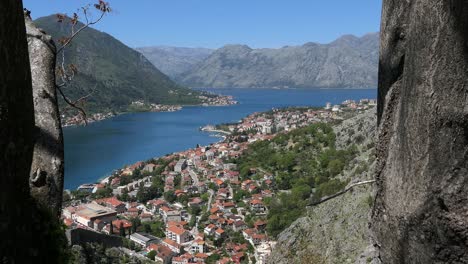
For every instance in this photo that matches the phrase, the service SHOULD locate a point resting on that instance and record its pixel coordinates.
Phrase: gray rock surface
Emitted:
(29, 234)
(347, 62)
(337, 231)
(422, 203)
(46, 179)
(174, 61)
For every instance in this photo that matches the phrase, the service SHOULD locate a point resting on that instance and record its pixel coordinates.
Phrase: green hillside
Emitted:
(118, 73)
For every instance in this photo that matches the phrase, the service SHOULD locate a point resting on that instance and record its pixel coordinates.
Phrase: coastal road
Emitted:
(194, 177)
(209, 200)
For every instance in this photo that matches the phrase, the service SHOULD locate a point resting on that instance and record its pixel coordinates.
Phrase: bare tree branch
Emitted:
(73, 104)
(67, 73)
(74, 34)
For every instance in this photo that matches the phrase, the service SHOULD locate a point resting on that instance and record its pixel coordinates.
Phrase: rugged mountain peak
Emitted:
(347, 62)
(235, 48)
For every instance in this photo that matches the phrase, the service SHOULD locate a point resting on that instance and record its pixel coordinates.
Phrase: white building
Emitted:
(169, 214)
(177, 234)
(143, 239)
(87, 214)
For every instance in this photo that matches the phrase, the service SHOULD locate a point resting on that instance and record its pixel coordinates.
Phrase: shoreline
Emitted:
(220, 135)
(149, 111)
(222, 138)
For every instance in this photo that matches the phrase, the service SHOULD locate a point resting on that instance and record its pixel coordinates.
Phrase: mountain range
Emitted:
(348, 62)
(118, 74)
(175, 61)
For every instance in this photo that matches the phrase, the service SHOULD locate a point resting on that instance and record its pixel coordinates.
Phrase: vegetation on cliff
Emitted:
(336, 231)
(304, 163)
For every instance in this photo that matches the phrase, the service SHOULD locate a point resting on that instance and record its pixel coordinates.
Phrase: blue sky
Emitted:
(214, 23)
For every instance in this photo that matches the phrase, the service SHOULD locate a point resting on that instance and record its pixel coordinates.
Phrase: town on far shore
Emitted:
(207, 99)
(195, 206)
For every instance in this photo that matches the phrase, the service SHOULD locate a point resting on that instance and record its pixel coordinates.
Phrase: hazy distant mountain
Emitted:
(349, 62)
(174, 61)
(119, 74)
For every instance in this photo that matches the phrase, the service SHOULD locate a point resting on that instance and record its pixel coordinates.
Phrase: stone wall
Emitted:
(80, 236)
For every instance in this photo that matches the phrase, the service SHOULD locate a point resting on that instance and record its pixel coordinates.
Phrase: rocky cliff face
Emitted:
(421, 208)
(30, 233)
(337, 231)
(46, 178)
(347, 62)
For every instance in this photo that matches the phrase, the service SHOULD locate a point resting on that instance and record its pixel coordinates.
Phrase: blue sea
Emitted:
(94, 151)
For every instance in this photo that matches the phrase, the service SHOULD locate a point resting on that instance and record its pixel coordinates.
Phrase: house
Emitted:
(213, 218)
(224, 192)
(239, 225)
(219, 233)
(145, 217)
(172, 245)
(117, 224)
(246, 184)
(68, 212)
(238, 257)
(197, 246)
(257, 205)
(163, 253)
(132, 212)
(256, 239)
(229, 166)
(210, 229)
(144, 239)
(177, 234)
(228, 205)
(183, 259)
(87, 214)
(253, 188)
(209, 155)
(219, 183)
(214, 210)
(149, 167)
(247, 233)
(201, 257)
(267, 193)
(169, 214)
(195, 202)
(97, 187)
(115, 181)
(260, 225)
(181, 224)
(179, 193)
(112, 203)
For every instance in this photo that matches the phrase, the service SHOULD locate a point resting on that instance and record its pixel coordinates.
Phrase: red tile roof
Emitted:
(172, 243)
(110, 201)
(176, 230)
